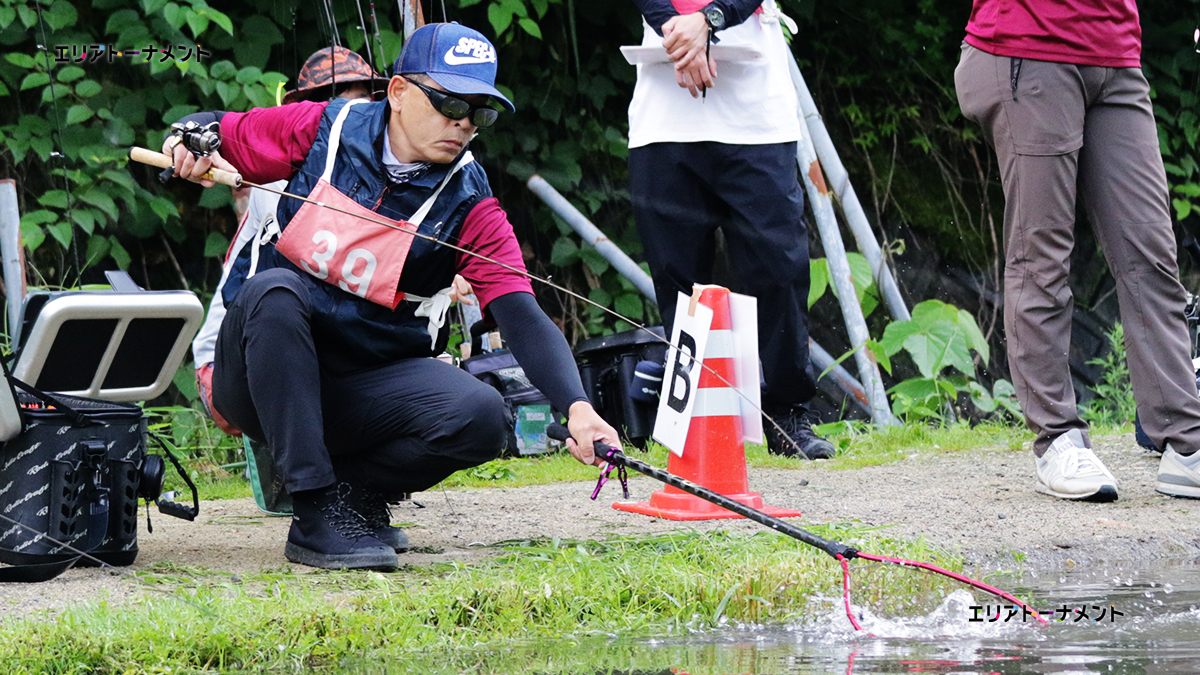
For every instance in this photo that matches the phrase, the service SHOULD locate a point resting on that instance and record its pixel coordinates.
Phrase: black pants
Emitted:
(403, 427)
(682, 192)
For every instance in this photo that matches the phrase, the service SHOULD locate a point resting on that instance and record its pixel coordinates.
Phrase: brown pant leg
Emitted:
(1037, 131)
(1124, 189)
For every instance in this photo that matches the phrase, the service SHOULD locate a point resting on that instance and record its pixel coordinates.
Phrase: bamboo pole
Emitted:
(408, 13)
(839, 268)
(839, 183)
(13, 257)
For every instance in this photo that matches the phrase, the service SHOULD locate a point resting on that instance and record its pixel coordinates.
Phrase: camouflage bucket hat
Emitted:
(329, 66)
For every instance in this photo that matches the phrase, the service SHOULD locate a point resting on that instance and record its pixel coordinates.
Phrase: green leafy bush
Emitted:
(1113, 404)
(1174, 70)
(941, 337)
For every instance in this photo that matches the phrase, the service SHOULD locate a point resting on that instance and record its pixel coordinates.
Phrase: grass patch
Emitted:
(211, 484)
(858, 449)
(192, 620)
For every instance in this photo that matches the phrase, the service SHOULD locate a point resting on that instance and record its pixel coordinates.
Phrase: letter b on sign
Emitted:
(681, 379)
(689, 338)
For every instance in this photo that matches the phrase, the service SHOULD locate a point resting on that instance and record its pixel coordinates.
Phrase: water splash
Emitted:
(950, 619)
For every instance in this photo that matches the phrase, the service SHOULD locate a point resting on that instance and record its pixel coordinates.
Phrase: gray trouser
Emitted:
(1059, 129)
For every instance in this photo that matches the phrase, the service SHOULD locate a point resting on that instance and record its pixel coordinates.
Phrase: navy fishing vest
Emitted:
(352, 333)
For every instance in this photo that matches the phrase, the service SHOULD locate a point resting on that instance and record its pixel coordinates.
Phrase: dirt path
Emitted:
(980, 504)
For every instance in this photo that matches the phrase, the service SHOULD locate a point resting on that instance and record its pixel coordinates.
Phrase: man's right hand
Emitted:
(191, 167)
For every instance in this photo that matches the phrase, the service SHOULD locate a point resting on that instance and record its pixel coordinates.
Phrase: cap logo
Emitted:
(470, 51)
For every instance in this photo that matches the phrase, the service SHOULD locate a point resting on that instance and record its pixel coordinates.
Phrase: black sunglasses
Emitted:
(456, 109)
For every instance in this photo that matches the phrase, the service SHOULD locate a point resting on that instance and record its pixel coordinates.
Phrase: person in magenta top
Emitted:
(1058, 89)
(333, 315)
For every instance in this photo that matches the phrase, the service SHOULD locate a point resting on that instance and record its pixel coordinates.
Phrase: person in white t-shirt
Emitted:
(708, 153)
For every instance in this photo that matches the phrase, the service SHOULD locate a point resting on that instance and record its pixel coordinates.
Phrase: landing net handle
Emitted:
(840, 552)
(615, 456)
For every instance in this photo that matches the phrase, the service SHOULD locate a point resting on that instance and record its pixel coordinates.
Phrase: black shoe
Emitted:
(328, 533)
(373, 507)
(798, 438)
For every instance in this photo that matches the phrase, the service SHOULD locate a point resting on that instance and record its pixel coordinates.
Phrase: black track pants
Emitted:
(400, 428)
(682, 192)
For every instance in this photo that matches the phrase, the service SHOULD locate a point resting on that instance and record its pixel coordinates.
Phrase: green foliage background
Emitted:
(881, 71)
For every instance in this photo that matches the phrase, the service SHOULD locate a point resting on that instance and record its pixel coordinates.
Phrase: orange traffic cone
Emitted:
(713, 454)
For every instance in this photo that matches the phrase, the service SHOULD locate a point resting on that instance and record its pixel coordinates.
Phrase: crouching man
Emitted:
(332, 317)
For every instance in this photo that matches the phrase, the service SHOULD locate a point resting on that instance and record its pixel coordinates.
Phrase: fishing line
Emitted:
(362, 23)
(525, 273)
(378, 40)
(166, 162)
(334, 35)
(533, 277)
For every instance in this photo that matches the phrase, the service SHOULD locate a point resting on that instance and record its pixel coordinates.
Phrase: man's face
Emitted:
(356, 90)
(425, 135)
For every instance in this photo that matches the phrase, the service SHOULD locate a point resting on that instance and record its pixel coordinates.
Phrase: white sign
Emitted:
(743, 314)
(688, 340)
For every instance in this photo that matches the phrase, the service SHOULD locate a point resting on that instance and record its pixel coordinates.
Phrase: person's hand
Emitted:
(586, 425)
(696, 76)
(685, 37)
(191, 167)
(460, 291)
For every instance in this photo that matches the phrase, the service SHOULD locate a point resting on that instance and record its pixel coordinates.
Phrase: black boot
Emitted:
(327, 532)
(797, 438)
(373, 507)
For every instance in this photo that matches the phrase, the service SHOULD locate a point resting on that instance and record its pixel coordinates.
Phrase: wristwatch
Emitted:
(714, 17)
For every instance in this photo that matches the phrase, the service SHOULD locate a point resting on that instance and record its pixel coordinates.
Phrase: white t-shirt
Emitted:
(261, 205)
(752, 103)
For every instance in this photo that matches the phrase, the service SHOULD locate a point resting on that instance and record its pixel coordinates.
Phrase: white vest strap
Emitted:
(419, 216)
(335, 137)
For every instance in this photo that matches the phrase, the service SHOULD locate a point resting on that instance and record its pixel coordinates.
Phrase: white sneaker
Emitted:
(1069, 470)
(1179, 475)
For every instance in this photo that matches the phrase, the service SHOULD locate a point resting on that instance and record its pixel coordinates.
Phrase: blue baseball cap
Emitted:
(458, 58)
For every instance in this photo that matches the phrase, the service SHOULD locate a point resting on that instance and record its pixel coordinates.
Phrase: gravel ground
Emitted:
(980, 504)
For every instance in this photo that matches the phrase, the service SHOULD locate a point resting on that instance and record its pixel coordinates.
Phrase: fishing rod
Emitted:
(235, 180)
(838, 551)
(366, 36)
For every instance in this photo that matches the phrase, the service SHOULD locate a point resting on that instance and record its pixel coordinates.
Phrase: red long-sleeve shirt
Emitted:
(1083, 32)
(270, 144)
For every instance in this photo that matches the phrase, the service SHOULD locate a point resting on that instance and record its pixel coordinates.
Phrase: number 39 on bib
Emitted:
(357, 282)
(356, 253)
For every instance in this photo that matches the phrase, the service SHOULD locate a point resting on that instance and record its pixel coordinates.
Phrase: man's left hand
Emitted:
(685, 38)
(586, 425)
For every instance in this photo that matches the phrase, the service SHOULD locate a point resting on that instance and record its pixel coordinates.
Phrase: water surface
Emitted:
(1156, 629)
